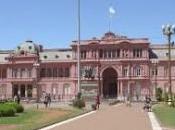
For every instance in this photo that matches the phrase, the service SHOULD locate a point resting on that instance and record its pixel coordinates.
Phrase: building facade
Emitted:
(113, 66)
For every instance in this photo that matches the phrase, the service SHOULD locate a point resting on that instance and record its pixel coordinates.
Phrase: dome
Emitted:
(27, 47)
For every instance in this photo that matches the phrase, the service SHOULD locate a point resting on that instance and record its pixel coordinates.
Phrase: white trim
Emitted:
(154, 123)
(67, 121)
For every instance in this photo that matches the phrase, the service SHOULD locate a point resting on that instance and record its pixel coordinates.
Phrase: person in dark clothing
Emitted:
(147, 105)
(46, 101)
(49, 99)
(18, 99)
(97, 101)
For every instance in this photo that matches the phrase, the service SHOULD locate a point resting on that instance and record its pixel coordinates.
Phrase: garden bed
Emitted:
(165, 115)
(33, 119)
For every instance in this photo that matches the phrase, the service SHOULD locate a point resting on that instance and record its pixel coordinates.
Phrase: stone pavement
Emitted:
(112, 118)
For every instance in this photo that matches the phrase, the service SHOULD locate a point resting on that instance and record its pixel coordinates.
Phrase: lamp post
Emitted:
(155, 73)
(36, 66)
(169, 30)
(78, 49)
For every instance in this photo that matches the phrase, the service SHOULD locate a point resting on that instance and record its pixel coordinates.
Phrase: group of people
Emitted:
(147, 105)
(47, 100)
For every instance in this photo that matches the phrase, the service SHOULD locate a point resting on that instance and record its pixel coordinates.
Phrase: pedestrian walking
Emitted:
(147, 105)
(97, 101)
(15, 98)
(128, 101)
(18, 99)
(46, 101)
(49, 99)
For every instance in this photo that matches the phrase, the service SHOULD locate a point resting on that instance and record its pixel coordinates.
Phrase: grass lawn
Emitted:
(165, 114)
(33, 119)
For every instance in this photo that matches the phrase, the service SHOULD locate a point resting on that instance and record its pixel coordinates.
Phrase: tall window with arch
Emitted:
(137, 70)
(66, 89)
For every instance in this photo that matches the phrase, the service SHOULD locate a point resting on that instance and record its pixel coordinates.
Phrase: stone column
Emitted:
(101, 85)
(19, 90)
(118, 89)
(128, 93)
(121, 89)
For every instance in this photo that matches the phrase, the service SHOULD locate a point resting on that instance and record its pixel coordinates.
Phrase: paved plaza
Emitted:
(119, 117)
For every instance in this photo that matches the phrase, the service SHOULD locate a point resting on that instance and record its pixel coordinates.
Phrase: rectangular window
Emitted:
(4, 73)
(125, 71)
(29, 72)
(60, 72)
(55, 73)
(113, 54)
(105, 54)
(14, 73)
(49, 72)
(118, 52)
(94, 54)
(154, 72)
(83, 54)
(22, 73)
(67, 72)
(165, 71)
(109, 54)
(101, 53)
(43, 72)
(137, 53)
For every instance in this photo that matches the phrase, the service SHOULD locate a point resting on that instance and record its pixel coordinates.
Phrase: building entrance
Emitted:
(110, 83)
(23, 90)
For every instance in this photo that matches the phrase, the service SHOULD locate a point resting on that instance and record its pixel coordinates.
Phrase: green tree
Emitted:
(159, 94)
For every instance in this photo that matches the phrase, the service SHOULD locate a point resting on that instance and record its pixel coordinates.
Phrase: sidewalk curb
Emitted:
(67, 121)
(154, 123)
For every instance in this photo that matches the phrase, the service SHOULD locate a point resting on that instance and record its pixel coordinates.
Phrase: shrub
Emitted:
(94, 107)
(165, 97)
(18, 108)
(79, 95)
(79, 103)
(6, 110)
(159, 94)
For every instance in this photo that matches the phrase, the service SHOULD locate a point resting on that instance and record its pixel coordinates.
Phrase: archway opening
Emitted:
(110, 83)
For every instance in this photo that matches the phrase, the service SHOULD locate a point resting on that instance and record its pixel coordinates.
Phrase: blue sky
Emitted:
(53, 23)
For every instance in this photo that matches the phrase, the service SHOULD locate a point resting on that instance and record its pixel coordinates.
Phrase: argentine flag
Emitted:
(111, 10)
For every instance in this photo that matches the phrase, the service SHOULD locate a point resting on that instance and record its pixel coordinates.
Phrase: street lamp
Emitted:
(154, 73)
(36, 66)
(169, 30)
(78, 48)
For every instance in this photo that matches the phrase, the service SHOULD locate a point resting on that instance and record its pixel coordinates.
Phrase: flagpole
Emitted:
(111, 13)
(110, 21)
(78, 49)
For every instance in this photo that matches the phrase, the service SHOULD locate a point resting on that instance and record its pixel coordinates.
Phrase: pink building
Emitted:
(113, 66)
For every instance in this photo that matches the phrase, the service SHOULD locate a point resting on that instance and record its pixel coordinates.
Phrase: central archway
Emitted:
(110, 83)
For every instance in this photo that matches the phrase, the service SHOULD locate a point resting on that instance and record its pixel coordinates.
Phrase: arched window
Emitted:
(66, 89)
(137, 71)
(54, 89)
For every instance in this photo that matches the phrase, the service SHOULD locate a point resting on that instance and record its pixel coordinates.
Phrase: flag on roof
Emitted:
(111, 10)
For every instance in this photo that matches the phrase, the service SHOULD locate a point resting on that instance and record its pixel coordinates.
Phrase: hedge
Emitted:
(10, 108)
(6, 110)
(19, 108)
